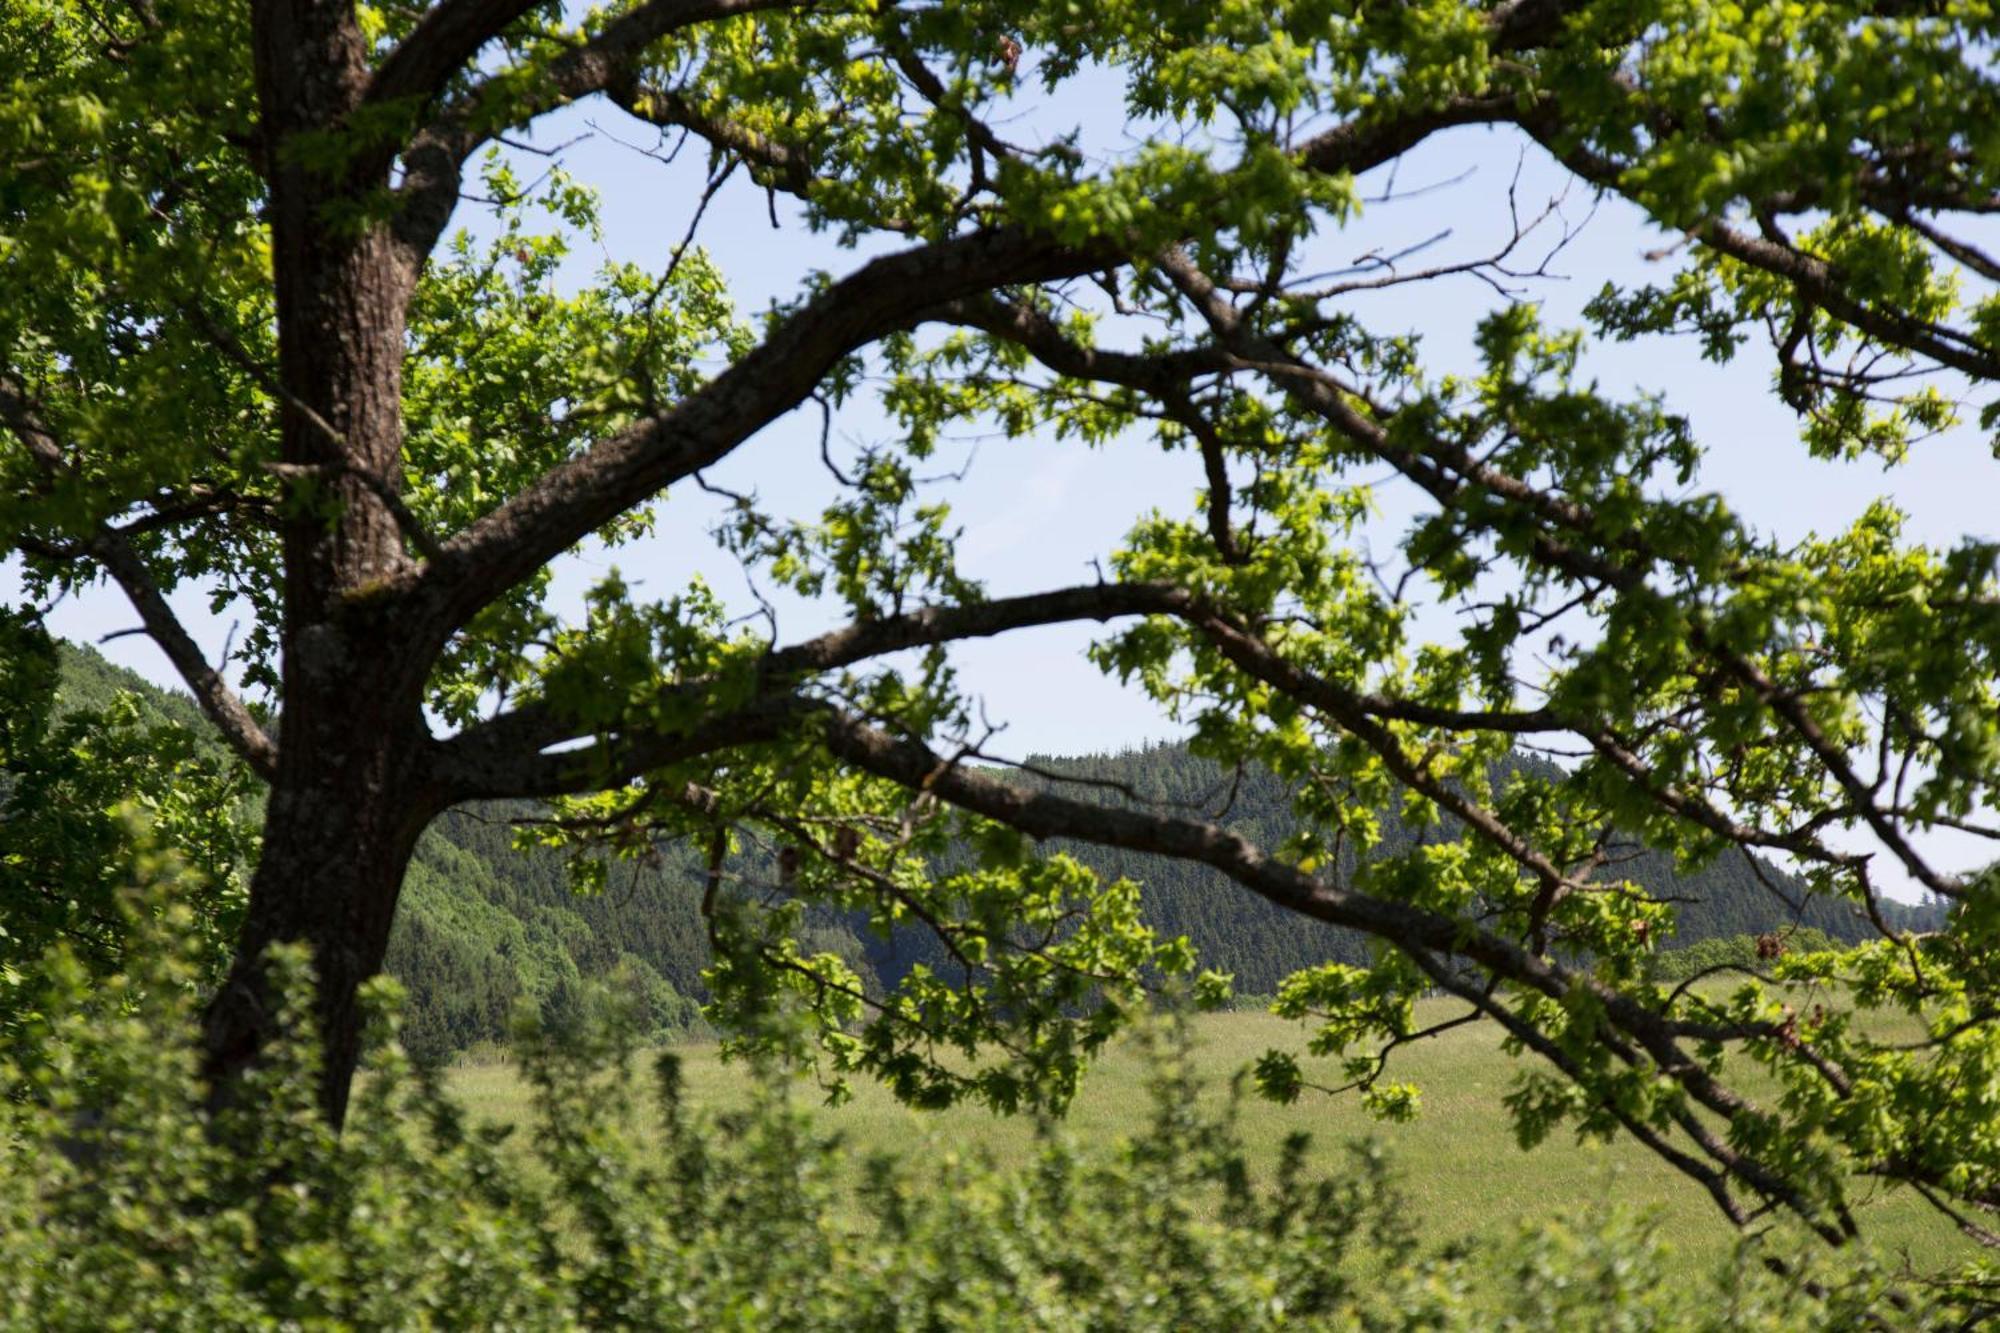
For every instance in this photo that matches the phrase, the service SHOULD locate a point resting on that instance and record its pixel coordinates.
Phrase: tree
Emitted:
(244, 351)
(73, 781)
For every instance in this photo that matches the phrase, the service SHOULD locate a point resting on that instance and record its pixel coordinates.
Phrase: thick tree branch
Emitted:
(577, 497)
(890, 293)
(1049, 815)
(1443, 474)
(211, 690)
(1016, 322)
(1820, 284)
(1817, 282)
(508, 750)
(780, 165)
(1368, 141)
(1043, 815)
(442, 45)
(434, 158)
(111, 549)
(490, 770)
(1444, 469)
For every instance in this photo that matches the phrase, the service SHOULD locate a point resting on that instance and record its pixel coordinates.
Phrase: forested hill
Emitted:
(1261, 943)
(483, 926)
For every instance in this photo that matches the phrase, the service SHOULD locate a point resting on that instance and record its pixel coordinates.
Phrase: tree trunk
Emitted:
(352, 792)
(350, 801)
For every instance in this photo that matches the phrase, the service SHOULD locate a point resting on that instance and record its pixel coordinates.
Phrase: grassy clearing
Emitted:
(1457, 1161)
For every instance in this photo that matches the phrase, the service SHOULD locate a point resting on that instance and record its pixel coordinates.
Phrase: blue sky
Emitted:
(1037, 513)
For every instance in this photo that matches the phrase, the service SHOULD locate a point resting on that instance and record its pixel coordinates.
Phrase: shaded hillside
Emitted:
(1261, 943)
(482, 924)
(483, 927)
(91, 683)
(651, 916)
(480, 928)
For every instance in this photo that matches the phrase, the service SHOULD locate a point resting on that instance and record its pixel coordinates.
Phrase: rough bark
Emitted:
(350, 801)
(349, 797)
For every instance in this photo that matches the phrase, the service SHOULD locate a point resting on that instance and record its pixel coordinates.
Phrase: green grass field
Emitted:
(1457, 1161)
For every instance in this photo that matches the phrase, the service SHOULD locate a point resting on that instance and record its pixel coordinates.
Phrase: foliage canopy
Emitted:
(245, 351)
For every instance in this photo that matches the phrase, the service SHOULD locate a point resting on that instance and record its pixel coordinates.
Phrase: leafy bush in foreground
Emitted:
(123, 1206)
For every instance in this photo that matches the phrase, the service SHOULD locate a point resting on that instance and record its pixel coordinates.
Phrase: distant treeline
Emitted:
(1260, 943)
(484, 927)
(482, 924)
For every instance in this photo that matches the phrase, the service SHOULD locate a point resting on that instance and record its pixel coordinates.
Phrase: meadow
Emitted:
(1458, 1162)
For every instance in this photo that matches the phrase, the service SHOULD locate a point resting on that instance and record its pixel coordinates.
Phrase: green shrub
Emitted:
(125, 1207)
(1739, 953)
